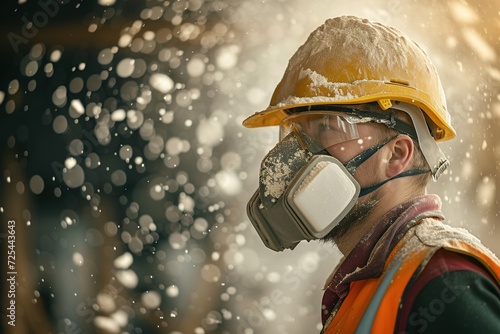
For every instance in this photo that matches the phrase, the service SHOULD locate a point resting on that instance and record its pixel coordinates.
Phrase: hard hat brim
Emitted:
(441, 131)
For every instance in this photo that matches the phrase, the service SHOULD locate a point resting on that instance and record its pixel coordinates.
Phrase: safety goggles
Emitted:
(321, 128)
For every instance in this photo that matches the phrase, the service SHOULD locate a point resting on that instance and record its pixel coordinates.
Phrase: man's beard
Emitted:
(355, 217)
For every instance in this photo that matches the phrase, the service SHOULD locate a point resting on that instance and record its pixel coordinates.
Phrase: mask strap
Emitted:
(367, 190)
(355, 162)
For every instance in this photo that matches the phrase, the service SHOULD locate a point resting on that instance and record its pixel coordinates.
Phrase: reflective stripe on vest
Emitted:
(372, 305)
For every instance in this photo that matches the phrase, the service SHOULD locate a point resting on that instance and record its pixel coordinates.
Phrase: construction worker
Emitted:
(360, 108)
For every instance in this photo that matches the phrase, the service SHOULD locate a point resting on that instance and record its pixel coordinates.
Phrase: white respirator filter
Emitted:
(324, 191)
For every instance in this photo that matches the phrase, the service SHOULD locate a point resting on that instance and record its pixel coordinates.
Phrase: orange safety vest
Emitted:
(372, 305)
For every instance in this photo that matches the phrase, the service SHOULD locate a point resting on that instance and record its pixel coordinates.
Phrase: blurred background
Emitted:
(126, 170)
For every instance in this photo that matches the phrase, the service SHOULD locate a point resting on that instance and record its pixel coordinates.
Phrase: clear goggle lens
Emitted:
(321, 130)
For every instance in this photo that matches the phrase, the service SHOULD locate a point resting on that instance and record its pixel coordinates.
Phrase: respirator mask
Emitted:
(304, 192)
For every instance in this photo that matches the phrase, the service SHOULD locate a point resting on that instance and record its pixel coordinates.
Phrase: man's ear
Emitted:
(400, 155)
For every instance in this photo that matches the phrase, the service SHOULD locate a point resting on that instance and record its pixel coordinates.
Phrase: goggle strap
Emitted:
(435, 158)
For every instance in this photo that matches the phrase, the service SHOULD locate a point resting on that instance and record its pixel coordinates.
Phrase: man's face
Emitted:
(305, 141)
(343, 137)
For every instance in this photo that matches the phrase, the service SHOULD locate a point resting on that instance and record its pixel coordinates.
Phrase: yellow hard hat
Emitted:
(349, 60)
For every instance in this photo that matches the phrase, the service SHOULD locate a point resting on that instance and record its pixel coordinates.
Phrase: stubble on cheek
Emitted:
(354, 218)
